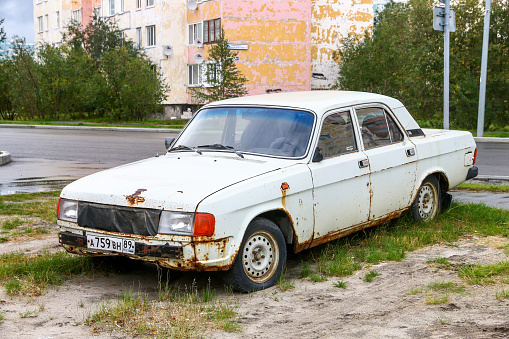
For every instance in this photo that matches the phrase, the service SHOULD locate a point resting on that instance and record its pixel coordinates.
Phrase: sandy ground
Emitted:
(380, 309)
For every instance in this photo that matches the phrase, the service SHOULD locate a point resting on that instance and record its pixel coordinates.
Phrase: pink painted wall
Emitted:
(279, 42)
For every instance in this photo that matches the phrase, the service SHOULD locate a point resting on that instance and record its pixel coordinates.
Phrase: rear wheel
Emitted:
(261, 258)
(427, 202)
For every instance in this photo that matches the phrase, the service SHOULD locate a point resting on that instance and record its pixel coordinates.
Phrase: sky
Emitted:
(19, 18)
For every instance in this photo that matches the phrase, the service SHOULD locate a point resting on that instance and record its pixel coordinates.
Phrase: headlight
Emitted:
(199, 224)
(176, 223)
(67, 210)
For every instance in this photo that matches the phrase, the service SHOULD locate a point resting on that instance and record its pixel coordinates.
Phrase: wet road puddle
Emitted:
(32, 185)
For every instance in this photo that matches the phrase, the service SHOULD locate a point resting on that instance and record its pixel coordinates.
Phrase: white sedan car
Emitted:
(252, 178)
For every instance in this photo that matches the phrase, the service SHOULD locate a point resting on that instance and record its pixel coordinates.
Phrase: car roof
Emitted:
(316, 101)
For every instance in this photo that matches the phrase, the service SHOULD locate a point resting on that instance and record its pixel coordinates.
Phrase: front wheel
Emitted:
(261, 258)
(427, 202)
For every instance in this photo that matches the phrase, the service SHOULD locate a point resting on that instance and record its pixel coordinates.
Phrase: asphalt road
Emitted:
(47, 158)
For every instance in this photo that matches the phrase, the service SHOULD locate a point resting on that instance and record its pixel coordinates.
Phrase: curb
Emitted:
(490, 178)
(95, 128)
(491, 139)
(5, 157)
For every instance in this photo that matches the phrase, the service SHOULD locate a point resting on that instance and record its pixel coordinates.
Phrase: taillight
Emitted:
(475, 156)
(204, 224)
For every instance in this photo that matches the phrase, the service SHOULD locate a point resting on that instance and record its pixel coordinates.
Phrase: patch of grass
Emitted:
(4, 239)
(502, 294)
(12, 224)
(340, 284)
(284, 284)
(179, 314)
(482, 188)
(208, 294)
(371, 275)
(440, 262)
(485, 274)
(31, 274)
(2, 317)
(438, 292)
(317, 277)
(442, 321)
(306, 271)
(446, 287)
(505, 248)
(432, 299)
(391, 241)
(41, 205)
(29, 314)
(415, 291)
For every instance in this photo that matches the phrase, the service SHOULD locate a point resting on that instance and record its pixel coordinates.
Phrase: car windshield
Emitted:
(267, 131)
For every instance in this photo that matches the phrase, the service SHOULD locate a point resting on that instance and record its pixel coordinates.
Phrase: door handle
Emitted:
(363, 163)
(410, 152)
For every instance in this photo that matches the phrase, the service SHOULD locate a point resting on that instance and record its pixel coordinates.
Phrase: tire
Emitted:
(261, 258)
(427, 202)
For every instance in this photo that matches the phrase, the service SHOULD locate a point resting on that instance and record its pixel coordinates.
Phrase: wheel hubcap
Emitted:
(427, 202)
(260, 256)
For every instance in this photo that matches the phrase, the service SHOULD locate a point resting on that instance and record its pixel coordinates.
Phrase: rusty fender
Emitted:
(207, 249)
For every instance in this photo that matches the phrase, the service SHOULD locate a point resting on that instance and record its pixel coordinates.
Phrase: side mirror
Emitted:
(318, 156)
(168, 142)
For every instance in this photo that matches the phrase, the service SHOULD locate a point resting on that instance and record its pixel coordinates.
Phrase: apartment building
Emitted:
(282, 45)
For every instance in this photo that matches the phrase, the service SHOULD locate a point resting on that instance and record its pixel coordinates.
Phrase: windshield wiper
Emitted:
(221, 146)
(180, 147)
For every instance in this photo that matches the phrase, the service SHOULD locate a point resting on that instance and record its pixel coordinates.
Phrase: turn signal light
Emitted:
(204, 224)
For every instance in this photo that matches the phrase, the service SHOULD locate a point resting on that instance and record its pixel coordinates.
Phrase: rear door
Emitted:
(392, 160)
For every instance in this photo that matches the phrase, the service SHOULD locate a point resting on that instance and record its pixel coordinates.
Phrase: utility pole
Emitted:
(446, 63)
(484, 70)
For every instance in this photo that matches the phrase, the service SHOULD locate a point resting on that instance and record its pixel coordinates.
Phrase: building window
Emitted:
(138, 4)
(57, 19)
(97, 12)
(76, 16)
(211, 30)
(195, 34)
(111, 7)
(46, 22)
(39, 24)
(194, 75)
(138, 36)
(150, 3)
(121, 6)
(151, 35)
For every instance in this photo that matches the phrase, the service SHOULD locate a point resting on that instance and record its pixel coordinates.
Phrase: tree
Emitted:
(133, 84)
(100, 36)
(2, 32)
(219, 75)
(403, 57)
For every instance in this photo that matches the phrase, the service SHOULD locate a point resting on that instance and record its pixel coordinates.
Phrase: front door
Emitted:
(392, 160)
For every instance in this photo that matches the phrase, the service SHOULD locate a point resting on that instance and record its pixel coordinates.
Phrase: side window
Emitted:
(377, 127)
(337, 135)
(396, 134)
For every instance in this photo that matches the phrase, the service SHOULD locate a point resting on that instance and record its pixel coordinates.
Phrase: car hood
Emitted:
(177, 181)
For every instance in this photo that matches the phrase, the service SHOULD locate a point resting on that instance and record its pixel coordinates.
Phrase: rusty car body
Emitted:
(251, 178)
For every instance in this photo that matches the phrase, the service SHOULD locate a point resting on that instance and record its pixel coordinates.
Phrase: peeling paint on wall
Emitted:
(331, 22)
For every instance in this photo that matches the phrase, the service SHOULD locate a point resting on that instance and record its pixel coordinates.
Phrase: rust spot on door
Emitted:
(135, 198)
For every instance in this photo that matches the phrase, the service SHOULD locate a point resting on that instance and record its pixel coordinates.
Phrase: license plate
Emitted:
(110, 244)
